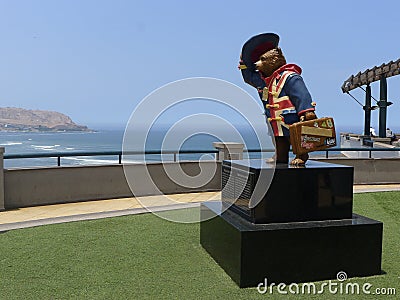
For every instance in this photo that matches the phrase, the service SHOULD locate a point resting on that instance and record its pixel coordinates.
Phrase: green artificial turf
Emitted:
(145, 257)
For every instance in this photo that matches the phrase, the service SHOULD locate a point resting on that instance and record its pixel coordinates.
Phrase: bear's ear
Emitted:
(279, 50)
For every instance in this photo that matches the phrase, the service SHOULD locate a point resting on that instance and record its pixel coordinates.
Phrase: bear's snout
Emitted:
(258, 64)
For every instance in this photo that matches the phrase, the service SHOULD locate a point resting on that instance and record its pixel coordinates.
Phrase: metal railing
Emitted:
(59, 155)
(369, 150)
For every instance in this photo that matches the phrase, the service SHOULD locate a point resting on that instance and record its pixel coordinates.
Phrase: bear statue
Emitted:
(284, 95)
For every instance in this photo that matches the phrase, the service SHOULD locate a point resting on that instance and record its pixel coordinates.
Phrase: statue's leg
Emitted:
(282, 149)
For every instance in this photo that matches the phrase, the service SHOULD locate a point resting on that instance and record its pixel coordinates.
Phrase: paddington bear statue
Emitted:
(284, 95)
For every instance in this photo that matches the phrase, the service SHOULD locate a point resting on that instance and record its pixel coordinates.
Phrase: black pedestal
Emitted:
(302, 228)
(290, 252)
(317, 191)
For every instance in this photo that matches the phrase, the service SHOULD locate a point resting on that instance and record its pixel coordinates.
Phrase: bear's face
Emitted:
(270, 61)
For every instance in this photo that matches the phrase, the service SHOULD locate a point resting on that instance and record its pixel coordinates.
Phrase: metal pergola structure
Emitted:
(366, 78)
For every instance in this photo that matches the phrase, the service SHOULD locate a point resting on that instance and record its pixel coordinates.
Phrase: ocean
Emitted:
(101, 140)
(52, 142)
(110, 140)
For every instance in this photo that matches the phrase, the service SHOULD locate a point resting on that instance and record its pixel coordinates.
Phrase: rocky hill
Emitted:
(19, 119)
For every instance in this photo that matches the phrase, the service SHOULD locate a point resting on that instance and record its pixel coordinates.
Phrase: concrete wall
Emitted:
(30, 187)
(40, 186)
(371, 171)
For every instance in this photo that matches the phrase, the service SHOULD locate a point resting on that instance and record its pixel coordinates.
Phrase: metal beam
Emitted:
(367, 111)
(370, 75)
(382, 107)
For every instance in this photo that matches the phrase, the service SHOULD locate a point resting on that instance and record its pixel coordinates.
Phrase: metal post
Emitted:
(2, 206)
(382, 107)
(367, 111)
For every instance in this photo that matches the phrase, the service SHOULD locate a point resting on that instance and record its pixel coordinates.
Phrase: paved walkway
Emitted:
(376, 188)
(89, 210)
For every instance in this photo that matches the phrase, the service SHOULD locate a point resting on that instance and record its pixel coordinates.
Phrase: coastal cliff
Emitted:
(19, 119)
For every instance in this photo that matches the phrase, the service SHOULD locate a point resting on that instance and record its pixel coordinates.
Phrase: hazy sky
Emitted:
(94, 60)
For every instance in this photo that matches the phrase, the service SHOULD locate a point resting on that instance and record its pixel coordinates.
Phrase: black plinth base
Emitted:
(290, 252)
(316, 191)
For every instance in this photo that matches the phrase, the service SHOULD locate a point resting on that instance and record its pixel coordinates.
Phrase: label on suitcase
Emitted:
(313, 135)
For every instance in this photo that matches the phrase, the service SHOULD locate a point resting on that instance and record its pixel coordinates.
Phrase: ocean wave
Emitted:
(47, 148)
(75, 132)
(85, 161)
(10, 143)
(89, 161)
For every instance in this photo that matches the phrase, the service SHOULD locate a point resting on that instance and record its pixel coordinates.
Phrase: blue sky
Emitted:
(95, 60)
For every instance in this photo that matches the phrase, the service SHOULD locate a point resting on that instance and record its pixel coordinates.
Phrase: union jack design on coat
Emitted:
(284, 95)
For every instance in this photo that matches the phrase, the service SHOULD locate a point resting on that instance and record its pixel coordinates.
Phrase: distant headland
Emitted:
(19, 119)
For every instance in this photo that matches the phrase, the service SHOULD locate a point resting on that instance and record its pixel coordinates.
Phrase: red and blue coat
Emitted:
(284, 96)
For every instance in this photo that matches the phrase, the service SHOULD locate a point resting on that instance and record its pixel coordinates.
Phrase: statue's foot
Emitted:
(297, 162)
